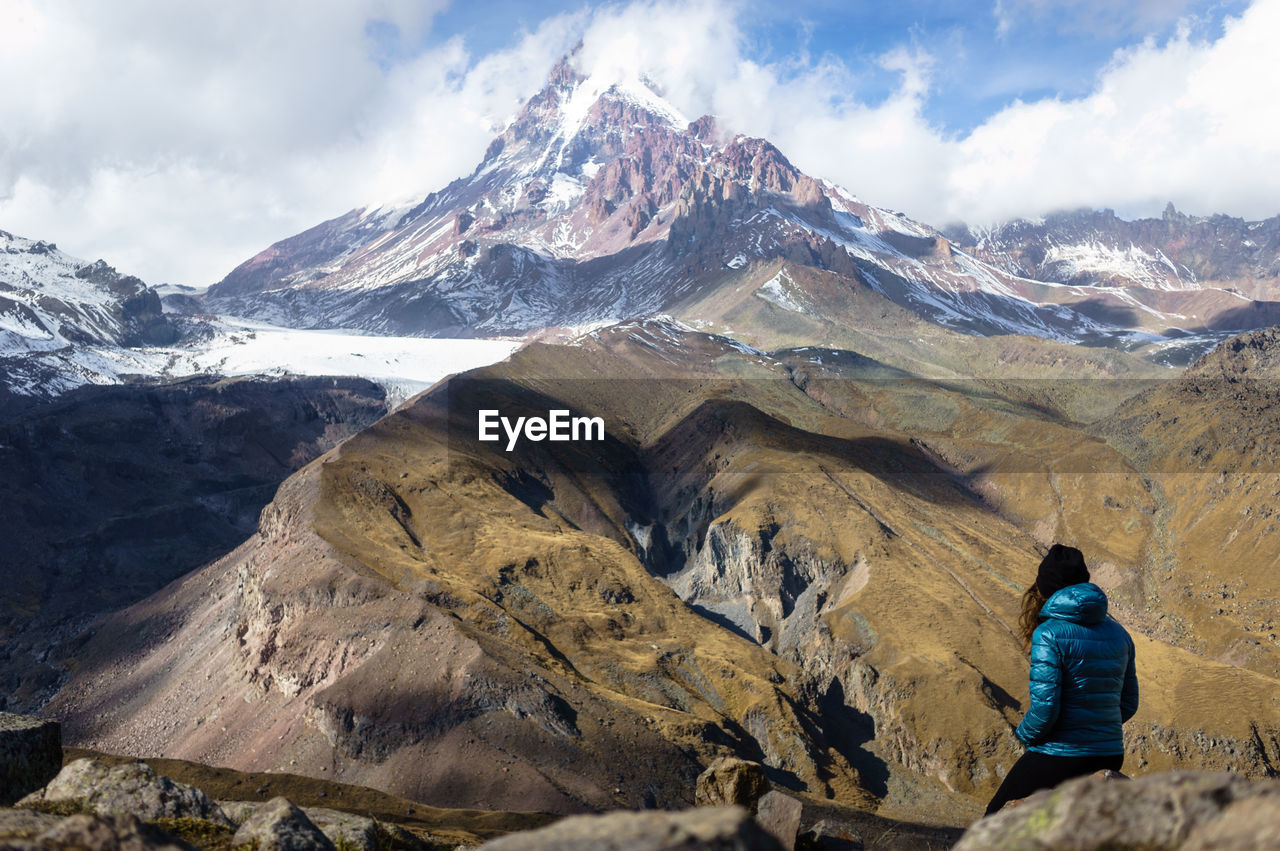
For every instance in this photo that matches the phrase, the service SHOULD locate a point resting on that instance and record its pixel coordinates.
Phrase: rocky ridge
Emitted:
(64, 321)
(128, 805)
(1173, 252)
(51, 300)
(109, 801)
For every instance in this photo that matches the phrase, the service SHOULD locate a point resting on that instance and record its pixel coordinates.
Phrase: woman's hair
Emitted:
(1032, 603)
(1061, 566)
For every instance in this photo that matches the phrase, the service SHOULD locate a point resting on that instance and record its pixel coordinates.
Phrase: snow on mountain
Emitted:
(602, 202)
(404, 366)
(1173, 253)
(1130, 263)
(65, 323)
(49, 301)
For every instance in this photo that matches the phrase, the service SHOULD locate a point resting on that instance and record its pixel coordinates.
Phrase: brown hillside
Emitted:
(765, 558)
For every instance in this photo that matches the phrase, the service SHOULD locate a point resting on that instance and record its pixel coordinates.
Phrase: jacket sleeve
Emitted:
(1129, 693)
(1045, 689)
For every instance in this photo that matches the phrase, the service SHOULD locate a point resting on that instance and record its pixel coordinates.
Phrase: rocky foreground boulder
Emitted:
(1188, 811)
(704, 828)
(731, 781)
(117, 833)
(779, 814)
(280, 826)
(91, 804)
(30, 755)
(133, 788)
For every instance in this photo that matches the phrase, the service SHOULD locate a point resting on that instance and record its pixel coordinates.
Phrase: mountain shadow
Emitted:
(115, 491)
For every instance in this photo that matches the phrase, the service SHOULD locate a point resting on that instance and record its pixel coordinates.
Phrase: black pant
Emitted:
(1034, 771)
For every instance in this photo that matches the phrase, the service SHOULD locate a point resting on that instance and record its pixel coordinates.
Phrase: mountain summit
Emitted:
(595, 203)
(602, 202)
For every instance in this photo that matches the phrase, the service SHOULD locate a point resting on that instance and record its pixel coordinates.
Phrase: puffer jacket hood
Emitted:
(1084, 604)
(1083, 682)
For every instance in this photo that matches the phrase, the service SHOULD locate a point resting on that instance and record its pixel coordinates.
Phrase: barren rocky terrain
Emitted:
(113, 492)
(803, 558)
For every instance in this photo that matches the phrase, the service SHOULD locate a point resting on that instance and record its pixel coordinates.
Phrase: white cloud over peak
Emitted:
(1187, 120)
(177, 140)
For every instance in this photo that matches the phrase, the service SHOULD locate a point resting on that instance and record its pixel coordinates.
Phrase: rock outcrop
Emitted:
(30, 755)
(708, 828)
(1158, 812)
(1255, 355)
(344, 830)
(17, 825)
(100, 833)
(731, 781)
(129, 806)
(280, 826)
(132, 788)
(779, 814)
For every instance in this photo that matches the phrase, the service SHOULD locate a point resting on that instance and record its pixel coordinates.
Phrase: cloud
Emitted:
(1188, 120)
(177, 140)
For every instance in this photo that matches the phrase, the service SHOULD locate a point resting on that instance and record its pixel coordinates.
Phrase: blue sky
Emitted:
(178, 139)
(987, 54)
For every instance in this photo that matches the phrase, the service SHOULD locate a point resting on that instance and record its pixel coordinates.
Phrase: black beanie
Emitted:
(1062, 566)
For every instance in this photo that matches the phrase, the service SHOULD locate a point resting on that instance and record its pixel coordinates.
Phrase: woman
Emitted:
(1083, 681)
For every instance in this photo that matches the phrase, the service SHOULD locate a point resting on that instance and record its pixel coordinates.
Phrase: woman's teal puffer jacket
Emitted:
(1083, 681)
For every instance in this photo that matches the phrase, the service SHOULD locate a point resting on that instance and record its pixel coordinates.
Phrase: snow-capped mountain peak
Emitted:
(634, 91)
(601, 201)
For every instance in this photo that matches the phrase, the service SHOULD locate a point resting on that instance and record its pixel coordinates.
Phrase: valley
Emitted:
(769, 557)
(260, 527)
